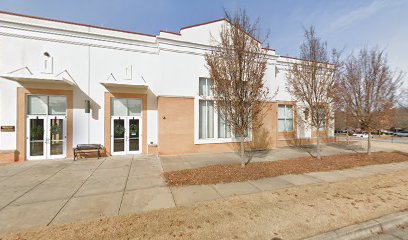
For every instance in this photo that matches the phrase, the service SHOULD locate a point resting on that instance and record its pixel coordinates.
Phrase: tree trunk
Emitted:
(318, 143)
(348, 138)
(369, 143)
(242, 151)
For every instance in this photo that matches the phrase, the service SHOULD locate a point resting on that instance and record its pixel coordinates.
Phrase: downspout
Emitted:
(89, 93)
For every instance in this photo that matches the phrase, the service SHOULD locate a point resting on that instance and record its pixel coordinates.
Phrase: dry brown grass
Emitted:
(292, 213)
(234, 173)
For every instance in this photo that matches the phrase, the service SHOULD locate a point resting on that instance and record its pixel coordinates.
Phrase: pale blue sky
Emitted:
(348, 23)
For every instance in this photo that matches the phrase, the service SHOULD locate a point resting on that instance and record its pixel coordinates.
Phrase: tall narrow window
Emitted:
(285, 118)
(205, 87)
(224, 130)
(322, 120)
(206, 124)
(206, 109)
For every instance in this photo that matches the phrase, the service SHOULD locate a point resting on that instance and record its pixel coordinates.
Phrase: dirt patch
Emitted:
(234, 173)
(292, 213)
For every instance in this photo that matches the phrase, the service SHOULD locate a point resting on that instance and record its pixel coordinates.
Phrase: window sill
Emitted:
(220, 140)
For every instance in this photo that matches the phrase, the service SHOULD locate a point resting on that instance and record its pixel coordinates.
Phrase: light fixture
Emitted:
(87, 106)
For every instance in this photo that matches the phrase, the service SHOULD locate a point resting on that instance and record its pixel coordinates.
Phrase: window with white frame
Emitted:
(206, 129)
(211, 123)
(126, 107)
(322, 121)
(224, 130)
(205, 87)
(46, 105)
(206, 109)
(285, 118)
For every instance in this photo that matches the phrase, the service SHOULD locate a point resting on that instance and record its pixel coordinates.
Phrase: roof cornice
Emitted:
(73, 23)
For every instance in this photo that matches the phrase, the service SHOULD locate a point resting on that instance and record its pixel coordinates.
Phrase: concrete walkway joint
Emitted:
(56, 192)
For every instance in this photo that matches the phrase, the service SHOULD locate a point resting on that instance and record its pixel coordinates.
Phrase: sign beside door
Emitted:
(8, 128)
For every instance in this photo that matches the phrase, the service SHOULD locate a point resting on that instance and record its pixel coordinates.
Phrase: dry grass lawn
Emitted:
(292, 213)
(234, 173)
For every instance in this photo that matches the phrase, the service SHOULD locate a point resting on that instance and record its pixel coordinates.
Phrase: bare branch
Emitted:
(237, 68)
(367, 90)
(312, 81)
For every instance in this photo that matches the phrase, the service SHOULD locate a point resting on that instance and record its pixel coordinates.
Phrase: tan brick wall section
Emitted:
(265, 136)
(176, 130)
(8, 156)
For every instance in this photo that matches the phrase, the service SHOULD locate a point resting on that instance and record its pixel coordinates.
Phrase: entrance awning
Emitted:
(125, 83)
(24, 76)
(37, 79)
(112, 83)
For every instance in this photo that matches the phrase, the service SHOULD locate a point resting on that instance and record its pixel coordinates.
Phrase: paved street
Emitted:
(40, 193)
(399, 232)
(385, 139)
(393, 226)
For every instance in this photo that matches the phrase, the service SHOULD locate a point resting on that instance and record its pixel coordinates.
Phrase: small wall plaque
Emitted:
(8, 128)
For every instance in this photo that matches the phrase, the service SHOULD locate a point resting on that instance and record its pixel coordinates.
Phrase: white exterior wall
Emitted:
(88, 59)
(169, 63)
(8, 114)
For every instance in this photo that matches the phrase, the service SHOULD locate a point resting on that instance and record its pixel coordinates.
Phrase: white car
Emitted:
(402, 134)
(361, 135)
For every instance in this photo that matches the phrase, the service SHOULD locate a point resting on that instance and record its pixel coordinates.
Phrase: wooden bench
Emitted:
(80, 148)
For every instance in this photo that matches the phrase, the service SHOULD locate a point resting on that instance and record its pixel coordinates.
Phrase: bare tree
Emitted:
(343, 122)
(311, 82)
(403, 99)
(368, 90)
(400, 117)
(237, 68)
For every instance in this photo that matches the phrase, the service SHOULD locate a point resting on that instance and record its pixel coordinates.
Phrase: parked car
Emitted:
(340, 131)
(386, 132)
(361, 135)
(402, 134)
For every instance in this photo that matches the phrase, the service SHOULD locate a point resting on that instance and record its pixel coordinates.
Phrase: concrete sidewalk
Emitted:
(42, 193)
(188, 195)
(190, 161)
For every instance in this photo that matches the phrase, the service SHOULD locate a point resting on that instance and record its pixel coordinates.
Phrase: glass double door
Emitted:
(126, 135)
(46, 137)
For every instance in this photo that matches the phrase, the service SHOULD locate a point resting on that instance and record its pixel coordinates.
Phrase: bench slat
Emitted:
(82, 148)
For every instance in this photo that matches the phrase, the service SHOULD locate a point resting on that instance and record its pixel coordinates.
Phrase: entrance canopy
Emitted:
(113, 84)
(24, 76)
(125, 83)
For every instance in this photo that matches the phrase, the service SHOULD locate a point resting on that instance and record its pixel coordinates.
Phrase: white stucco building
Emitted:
(63, 84)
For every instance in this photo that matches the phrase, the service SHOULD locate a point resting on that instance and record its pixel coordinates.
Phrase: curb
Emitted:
(365, 229)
